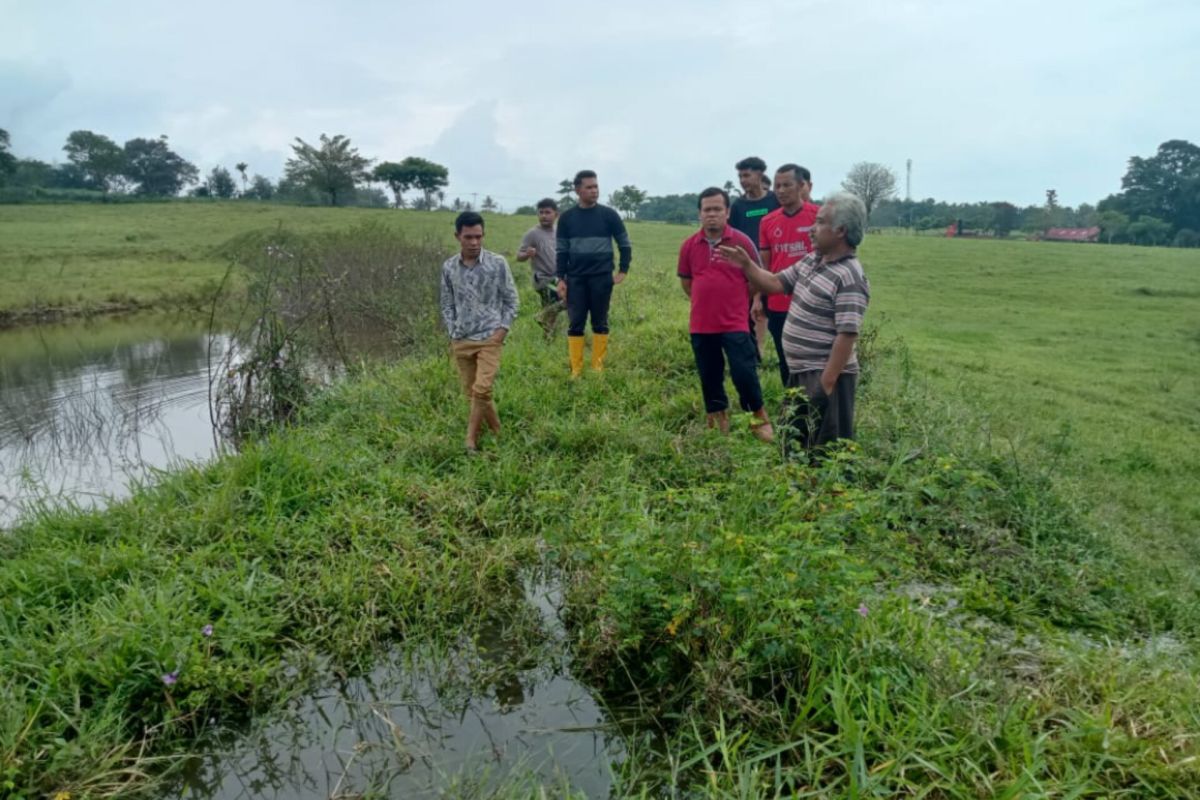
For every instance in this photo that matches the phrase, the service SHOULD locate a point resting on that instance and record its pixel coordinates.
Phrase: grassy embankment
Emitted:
(1000, 601)
(72, 260)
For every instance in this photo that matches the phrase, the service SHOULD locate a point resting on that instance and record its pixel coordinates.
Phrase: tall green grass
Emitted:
(943, 610)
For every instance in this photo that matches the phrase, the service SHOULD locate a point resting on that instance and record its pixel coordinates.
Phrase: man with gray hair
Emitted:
(829, 295)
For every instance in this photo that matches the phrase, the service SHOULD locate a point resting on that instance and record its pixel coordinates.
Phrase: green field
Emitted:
(70, 260)
(1019, 526)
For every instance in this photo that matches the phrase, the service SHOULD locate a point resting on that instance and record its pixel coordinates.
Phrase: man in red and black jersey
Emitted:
(785, 237)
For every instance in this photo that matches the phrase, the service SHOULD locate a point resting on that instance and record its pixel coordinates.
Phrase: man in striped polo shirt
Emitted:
(829, 295)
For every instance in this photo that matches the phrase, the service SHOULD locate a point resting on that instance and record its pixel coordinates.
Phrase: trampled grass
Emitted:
(993, 595)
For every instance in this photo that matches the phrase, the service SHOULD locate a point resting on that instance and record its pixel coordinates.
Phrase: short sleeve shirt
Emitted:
(745, 214)
(788, 238)
(827, 298)
(543, 262)
(720, 294)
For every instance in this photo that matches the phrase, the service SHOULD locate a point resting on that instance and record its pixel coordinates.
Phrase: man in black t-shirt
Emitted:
(747, 212)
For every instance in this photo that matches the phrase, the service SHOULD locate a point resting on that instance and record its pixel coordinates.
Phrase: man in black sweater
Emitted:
(585, 268)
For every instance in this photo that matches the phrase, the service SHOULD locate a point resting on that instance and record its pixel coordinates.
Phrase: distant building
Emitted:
(1072, 235)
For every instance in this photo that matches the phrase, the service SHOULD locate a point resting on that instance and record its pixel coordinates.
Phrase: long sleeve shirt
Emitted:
(477, 299)
(585, 241)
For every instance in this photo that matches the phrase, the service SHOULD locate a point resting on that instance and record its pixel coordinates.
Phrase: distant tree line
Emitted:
(1159, 202)
(330, 172)
(1160, 198)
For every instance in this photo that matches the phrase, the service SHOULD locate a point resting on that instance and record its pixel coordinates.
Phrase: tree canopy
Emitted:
(1164, 187)
(871, 182)
(627, 200)
(332, 168)
(220, 183)
(156, 169)
(8, 162)
(100, 161)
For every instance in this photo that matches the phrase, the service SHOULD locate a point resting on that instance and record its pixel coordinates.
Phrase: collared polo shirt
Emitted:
(827, 298)
(720, 294)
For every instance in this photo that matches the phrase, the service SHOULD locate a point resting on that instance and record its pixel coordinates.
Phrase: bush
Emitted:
(1187, 238)
(317, 305)
(16, 195)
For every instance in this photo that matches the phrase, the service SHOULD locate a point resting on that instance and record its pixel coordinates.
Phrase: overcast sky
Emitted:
(991, 99)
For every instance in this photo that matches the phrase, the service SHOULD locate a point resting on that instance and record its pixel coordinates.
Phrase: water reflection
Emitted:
(466, 723)
(88, 408)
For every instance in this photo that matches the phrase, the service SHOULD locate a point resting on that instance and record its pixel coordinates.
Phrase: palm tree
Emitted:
(241, 167)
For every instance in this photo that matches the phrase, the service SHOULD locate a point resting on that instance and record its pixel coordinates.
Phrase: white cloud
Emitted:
(990, 99)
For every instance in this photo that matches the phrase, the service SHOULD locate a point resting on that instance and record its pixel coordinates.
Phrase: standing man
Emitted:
(785, 237)
(585, 268)
(757, 199)
(479, 303)
(828, 295)
(756, 202)
(718, 325)
(537, 247)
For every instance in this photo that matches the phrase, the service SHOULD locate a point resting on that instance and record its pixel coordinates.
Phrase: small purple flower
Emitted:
(863, 610)
(207, 630)
(171, 678)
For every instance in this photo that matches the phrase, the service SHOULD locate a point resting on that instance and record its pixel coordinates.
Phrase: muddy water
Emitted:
(468, 722)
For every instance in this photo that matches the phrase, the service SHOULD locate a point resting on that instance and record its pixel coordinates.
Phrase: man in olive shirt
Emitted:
(538, 247)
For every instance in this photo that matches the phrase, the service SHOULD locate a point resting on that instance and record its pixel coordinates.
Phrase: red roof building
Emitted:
(1072, 235)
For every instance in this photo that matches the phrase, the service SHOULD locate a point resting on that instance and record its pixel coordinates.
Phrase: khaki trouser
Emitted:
(477, 363)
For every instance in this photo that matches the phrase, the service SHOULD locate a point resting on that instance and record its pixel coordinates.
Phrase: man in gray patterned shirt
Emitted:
(479, 303)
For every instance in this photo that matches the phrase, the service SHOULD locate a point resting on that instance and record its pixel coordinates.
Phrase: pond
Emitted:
(493, 716)
(89, 408)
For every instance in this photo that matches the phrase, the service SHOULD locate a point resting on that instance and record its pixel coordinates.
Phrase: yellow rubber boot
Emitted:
(599, 350)
(575, 350)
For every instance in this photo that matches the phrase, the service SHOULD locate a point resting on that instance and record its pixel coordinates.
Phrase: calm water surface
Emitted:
(89, 408)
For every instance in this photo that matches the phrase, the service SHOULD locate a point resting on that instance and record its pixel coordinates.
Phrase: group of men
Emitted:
(771, 260)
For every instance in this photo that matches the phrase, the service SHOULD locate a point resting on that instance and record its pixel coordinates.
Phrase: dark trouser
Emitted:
(775, 326)
(551, 307)
(812, 418)
(588, 295)
(711, 350)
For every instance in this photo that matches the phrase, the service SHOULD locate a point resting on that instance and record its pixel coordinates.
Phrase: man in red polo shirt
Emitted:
(785, 237)
(719, 328)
